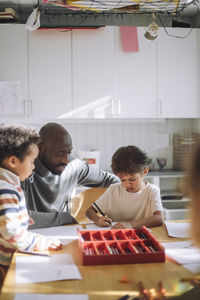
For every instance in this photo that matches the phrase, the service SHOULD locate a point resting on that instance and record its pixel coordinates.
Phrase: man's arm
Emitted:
(94, 177)
(50, 219)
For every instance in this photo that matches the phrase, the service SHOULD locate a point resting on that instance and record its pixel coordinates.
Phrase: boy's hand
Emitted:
(121, 225)
(54, 244)
(103, 221)
(31, 221)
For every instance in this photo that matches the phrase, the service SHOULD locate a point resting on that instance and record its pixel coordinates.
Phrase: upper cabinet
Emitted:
(49, 73)
(93, 72)
(160, 80)
(177, 78)
(136, 78)
(84, 73)
(13, 68)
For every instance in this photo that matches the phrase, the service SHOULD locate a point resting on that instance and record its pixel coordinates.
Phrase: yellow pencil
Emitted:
(186, 279)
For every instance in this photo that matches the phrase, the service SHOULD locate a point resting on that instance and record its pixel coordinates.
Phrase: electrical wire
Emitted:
(192, 26)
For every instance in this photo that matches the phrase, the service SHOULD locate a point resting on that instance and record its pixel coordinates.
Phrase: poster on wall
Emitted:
(10, 98)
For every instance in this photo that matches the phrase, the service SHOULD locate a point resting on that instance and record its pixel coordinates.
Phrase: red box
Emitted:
(119, 246)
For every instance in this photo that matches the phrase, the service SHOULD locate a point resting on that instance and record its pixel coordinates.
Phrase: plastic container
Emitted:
(119, 246)
(92, 158)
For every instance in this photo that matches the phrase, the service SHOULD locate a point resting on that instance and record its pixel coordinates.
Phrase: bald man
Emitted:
(57, 173)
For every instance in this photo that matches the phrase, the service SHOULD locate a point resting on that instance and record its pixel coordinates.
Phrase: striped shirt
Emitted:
(14, 219)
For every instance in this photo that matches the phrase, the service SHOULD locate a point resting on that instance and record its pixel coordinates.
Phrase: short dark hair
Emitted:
(15, 140)
(129, 160)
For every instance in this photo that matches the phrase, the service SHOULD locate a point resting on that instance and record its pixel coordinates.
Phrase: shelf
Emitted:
(166, 173)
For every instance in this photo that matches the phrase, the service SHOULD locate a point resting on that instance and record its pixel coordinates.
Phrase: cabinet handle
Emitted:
(112, 108)
(119, 107)
(159, 107)
(116, 108)
(26, 108)
(30, 107)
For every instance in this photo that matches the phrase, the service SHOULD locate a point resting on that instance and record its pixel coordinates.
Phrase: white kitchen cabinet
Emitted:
(14, 65)
(136, 78)
(177, 78)
(93, 72)
(49, 74)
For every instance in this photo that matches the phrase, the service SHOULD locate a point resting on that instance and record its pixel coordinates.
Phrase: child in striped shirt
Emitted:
(18, 151)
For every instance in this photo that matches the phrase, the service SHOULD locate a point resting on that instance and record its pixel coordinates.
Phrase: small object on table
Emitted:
(124, 279)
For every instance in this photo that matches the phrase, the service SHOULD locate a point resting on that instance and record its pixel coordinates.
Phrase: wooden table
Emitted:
(102, 281)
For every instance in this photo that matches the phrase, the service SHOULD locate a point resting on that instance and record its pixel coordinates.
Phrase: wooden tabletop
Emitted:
(102, 281)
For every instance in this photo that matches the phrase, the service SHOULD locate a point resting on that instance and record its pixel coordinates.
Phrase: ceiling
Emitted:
(52, 15)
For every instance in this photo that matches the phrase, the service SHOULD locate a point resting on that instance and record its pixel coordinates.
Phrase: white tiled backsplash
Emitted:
(108, 137)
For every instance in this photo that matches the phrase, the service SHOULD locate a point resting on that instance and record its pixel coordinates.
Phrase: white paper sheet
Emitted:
(176, 229)
(185, 253)
(33, 268)
(194, 268)
(50, 297)
(66, 234)
(92, 226)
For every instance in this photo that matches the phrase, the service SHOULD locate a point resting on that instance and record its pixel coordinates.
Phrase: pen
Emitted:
(101, 212)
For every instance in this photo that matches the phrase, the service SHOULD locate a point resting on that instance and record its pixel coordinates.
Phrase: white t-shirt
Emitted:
(120, 205)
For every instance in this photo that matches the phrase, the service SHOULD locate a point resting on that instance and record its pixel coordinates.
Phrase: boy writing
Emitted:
(132, 202)
(18, 150)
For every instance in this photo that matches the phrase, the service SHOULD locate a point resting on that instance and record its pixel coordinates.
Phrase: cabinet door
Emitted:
(177, 74)
(13, 65)
(93, 72)
(50, 73)
(136, 78)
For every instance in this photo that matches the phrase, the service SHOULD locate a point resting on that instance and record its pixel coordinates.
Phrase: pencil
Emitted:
(186, 279)
(33, 253)
(101, 212)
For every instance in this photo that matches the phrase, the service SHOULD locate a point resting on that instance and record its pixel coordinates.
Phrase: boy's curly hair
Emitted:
(15, 140)
(129, 160)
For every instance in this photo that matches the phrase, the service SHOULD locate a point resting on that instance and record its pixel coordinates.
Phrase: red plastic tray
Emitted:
(119, 246)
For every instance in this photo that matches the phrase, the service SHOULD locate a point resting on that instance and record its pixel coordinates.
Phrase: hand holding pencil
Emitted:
(103, 220)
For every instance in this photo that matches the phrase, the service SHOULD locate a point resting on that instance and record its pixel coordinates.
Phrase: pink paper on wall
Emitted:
(129, 38)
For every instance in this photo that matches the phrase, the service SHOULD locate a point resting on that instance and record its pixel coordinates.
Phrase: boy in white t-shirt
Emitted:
(132, 202)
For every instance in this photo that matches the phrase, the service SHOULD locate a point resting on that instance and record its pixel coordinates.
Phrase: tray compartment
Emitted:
(108, 235)
(119, 235)
(97, 236)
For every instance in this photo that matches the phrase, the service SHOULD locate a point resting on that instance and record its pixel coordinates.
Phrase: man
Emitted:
(57, 173)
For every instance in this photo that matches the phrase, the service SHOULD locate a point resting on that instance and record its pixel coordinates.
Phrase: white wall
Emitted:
(108, 137)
